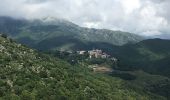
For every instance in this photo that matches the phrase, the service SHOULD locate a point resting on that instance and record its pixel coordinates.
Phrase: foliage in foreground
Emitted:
(28, 75)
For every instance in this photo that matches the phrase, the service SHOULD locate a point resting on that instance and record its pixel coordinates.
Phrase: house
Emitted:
(81, 52)
(97, 54)
(114, 59)
(104, 55)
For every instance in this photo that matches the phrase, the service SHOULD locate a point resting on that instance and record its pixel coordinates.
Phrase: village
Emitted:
(96, 59)
(96, 53)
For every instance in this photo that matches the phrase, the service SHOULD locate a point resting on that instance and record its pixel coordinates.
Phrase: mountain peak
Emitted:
(57, 21)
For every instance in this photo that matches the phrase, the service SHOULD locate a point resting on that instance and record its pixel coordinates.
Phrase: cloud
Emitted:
(143, 17)
(35, 1)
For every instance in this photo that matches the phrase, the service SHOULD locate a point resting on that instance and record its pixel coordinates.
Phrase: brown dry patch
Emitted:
(102, 69)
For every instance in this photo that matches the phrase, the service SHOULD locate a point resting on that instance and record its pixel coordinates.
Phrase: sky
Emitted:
(143, 17)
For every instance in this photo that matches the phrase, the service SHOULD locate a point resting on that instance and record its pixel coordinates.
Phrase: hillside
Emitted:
(152, 55)
(41, 33)
(28, 74)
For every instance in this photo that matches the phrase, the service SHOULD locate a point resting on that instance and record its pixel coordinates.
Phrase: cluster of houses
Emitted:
(96, 53)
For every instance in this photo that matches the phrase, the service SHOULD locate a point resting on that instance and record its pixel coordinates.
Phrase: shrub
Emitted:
(4, 35)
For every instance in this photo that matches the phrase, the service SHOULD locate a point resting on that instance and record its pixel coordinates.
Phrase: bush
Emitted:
(4, 35)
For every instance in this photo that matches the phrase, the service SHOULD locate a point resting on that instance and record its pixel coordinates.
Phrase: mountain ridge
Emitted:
(37, 30)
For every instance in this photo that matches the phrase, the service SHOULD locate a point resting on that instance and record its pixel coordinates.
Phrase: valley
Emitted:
(26, 73)
(41, 59)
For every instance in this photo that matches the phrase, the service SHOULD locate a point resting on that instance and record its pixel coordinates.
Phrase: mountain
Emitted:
(60, 34)
(163, 36)
(11, 26)
(152, 55)
(27, 74)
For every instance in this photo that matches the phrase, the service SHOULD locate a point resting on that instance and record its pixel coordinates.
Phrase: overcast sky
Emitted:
(144, 17)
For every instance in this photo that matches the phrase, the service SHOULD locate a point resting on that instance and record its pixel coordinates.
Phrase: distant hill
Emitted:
(152, 55)
(51, 31)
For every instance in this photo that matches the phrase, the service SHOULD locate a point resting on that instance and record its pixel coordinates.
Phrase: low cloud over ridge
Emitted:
(143, 17)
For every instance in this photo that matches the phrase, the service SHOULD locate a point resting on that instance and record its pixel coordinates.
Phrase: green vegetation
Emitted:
(136, 78)
(141, 73)
(152, 56)
(26, 74)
